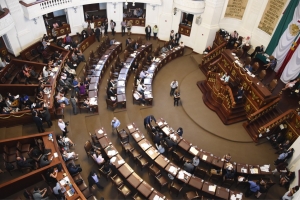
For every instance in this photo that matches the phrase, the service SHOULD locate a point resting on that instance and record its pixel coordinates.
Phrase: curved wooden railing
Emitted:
(6, 11)
(277, 121)
(230, 97)
(262, 111)
(212, 55)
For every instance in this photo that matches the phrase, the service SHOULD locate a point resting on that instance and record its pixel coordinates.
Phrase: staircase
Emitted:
(253, 126)
(236, 113)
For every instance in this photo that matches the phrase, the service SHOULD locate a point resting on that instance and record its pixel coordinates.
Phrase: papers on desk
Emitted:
(147, 92)
(156, 197)
(233, 54)
(130, 127)
(145, 146)
(143, 45)
(254, 171)
(117, 43)
(157, 60)
(241, 178)
(268, 60)
(166, 130)
(100, 131)
(133, 55)
(173, 136)
(173, 170)
(212, 188)
(113, 159)
(181, 175)
(93, 101)
(160, 123)
(55, 69)
(120, 162)
(244, 170)
(204, 157)
(136, 135)
(55, 155)
(150, 152)
(194, 151)
(64, 181)
(70, 192)
(105, 56)
(236, 197)
(111, 152)
(265, 168)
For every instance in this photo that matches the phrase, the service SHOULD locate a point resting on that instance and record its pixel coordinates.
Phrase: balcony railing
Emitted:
(6, 22)
(39, 8)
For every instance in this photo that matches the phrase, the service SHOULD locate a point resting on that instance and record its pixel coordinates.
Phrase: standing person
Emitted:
(115, 123)
(176, 97)
(177, 38)
(253, 188)
(47, 117)
(180, 131)
(129, 25)
(172, 35)
(38, 122)
(63, 126)
(94, 179)
(174, 85)
(54, 34)
(123, 26)
(148, 120)
(105, 27)
(74, 104)
(155, 31)
(112, 26)
(97, 34)
(148, 32)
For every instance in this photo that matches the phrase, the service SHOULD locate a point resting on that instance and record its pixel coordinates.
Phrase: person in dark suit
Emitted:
(148, 120)
(23, 162)
(93, 178)
(157, 138)
(73, 169)
(136, 46)
(98, 33)
(38, 122)
(46, 116)
(44, 160)
(128, 41)
(105, 27)
(148, 32)
(177, 38)
(239, 94)
(170, 142)
(258, 49)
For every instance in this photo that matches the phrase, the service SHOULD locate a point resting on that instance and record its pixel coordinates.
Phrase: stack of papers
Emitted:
(160, 123)
(181, 175)
(55, 155)
(145, 145)
(136, 135)
(120, 162)
(194, 151)
(93, 101)
(117, 42)
(237, 197)
(212, 188)
(100, 131)
(244, 170)
(254, 171)
(111, 152)
(130, 127)
(70, 192)
(204, 157)
(156, 197)
(113, 159)
(265, 168)
(173, 170)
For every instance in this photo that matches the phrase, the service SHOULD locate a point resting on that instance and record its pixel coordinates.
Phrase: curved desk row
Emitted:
(175, 171)
(155, 66)
(123, 74)
(100, 67)
(22, 182)
(123, 168)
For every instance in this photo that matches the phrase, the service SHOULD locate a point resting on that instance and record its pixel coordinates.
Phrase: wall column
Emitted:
(75, 18)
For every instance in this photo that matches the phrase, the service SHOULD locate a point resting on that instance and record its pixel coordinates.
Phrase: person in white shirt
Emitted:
(196, 161)
(225, 78)
(93, 178)
(45, 72)
(57, 187)
(174, 85)
(141, 89)
(98, 157)
(69, 155)
(63, 127)
(115, 123)
(143, 74)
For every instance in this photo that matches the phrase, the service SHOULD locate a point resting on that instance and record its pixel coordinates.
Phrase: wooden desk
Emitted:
(184, 29)
(206, 157)
(167, 130)
(50, 145)
(222, 193)
(205, 188)
(242, 168)
(122, 77)
(172, 169)
(121, 90)
(120, 83)
(195, 151)
(161, 123)
(185, 145)
(156, 194)
(254, 167)
(196, 182)
(111, 151)
(145, 189)
(186, 176)
(93, 93)
(138, 136)
(238, 195)
(125, 170)
(162, 161)
(144, 144)
(93, 86)
(117, 161)
(100, 133)
(152, 153)
(217, 162)
(132, 128)
(134, 180)
(104, 142)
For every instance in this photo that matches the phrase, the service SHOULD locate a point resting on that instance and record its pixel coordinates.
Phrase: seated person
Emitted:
(73, 169)
(196, 161)
(283, 146)
(272, 64)
(226, 158)
(58, 187)
(51, 175)
(289, 176)
(98, 157)
(283, 156)
(139, 97)
(245, 42)
(143, 74)
(111, 94)
(157, 138)
(164, 50)
(76, 85)
(38, 194)
(23, 162)
(44, 160)
(9, 106)
(189, 167)
(180, 131)
(258, 49)
(291, 84)
(61, 99)
(112, 41)
(229, 174)
(207, 50)
(239, 94)
(86, 82)
(68, 156)
(277, 139)
(79, 54)
(170, 143)
(225, 78)
(68, 39)
(249, 68)
(290, 193)
(56, 55)
(107, 167)
(65, 142)
(141, 89)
